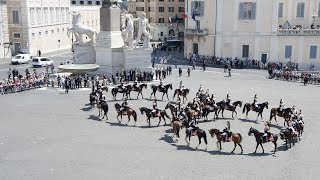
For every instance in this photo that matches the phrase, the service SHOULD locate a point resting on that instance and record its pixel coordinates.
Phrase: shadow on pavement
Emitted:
(87, 109)
(248, 120)
(95, 118)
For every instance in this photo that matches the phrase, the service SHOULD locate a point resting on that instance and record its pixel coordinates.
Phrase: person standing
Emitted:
(39, 53)
(85, 80)
(188, 71)
(9, 73)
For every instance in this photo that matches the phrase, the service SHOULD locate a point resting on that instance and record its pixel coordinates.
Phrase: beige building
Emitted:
(164, 15)
(4, 33)
(266, 30)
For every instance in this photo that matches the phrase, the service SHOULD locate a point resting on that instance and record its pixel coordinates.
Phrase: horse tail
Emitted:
(244, 109)
(240, 137)
(134, 114)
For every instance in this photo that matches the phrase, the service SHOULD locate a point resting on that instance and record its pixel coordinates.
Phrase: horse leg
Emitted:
(159, 121)
(128, 120)
(256, 148)
(275, 147)
(167, 96)
(118, 118)
(199, 142)
(262, 148)
(220, 145)
(235, 145)
(240, 147)
(162, 96)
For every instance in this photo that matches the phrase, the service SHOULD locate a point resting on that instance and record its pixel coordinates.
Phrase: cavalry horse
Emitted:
(182, 93)
(125, 90)
(176, 126)
(207, 110)
(286, 114)
(288, 136)
(173, 108)
(260, 140)
(93, 98)
(248, 106)
(235, 137)
(163, 114)
(223, 106)
(137, 89)
(103, 106)
(163, 89)
(129, 112)
(200, 133)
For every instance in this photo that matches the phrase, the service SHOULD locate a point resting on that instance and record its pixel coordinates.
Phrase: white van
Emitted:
(41, 61)
(20, 59)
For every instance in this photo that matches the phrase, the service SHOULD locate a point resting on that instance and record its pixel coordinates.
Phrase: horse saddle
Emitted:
(194, 132)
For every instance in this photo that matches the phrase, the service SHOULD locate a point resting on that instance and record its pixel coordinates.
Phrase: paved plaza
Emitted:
(46, 134)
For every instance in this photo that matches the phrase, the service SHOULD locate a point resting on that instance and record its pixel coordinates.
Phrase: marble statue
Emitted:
(143, 26)
(127, 28)
(78, 29)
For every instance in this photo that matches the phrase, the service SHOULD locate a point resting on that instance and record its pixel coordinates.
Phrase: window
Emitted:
(32, 16)
(161, 20)
(39, 16)
(161, 9)
(16, 35)
(171, 0)
(245, 51)
(57, 14)
(81, 2)
(181, 9)
(51, 15)
(171, 9)
(33, 35)
(247, 11)
(300, 10)
(97, 2)
(319, 10)
(139, 8)
(73, 2)
(161, 0)
(161, 33)
(181, 0)
(197, 7)
(280, 10)
(45, 15)
(90, 2)
(40, 34)
(15, 17)
(313, 52)
(288, 52)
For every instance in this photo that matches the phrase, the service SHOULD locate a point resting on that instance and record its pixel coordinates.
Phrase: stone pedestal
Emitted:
(84, 54)
(139, 58)
(110, 60)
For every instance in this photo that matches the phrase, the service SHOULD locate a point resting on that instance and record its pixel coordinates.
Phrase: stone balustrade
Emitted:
(196, 32)
(298, 32)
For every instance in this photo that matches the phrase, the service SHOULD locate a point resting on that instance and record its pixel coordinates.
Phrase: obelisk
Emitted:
(109, 43)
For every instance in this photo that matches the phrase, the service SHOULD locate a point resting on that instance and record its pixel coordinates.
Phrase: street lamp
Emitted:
(314, 16)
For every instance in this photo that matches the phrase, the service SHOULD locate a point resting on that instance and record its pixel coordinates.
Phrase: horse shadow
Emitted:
(167, 139)
(149, 127)
(248, 120)
(217, 152)
(186, 148)
(168, 130)
(94, 118)
(117, 124)
(260, 154)
(88, 104)
(86, 109)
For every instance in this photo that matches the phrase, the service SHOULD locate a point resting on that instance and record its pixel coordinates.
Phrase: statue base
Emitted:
(84, 54)
(110, 60)
(138, 58)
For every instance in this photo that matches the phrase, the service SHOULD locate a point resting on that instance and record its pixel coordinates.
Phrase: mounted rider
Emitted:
(135, 84)
(201, 90)
(281, 105)
(266, 134)
(181, 86)
(161, 85)
(255, 101)
(154, 108)
(182, 114)
(192, 127)
(225, 132)
(120, 86)
(124, 106)
(228, 100)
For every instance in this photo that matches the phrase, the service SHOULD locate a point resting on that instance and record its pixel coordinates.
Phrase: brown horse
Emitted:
(182, 93)
(137, 89)
(129, 112)
(248, 106)
(285, 114)
(173, 108)
(235, 137)
(223, 106)
(176, 125)
(192, 114)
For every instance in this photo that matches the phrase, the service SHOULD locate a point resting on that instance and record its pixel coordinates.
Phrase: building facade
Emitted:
(265, 30)
(165, 16)
(4, 32)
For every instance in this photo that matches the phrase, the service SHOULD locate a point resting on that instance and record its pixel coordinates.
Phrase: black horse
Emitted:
(137, 89)
(182, 93)
(260, 140)
(125, 90)
(103, 106)
(248, 106)
(163, 114)
(199, 132)
(288, 136)
(159, 88)
(93, 98)
(173, 108)
(208, 109)
(222, 105)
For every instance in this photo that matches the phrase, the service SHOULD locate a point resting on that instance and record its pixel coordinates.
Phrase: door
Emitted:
(195, 48)
(17, 48)
(264, 58)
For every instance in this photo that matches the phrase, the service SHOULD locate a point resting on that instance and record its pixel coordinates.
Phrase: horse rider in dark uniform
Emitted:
(226, 133)
(228, 100)
(255, 101)
(124, 106)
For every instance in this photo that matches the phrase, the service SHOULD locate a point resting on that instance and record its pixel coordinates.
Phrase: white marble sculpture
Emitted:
(127, 28)
(78, 29)
(143, 30)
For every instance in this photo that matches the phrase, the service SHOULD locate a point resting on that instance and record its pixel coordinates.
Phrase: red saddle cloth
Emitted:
(193, 132)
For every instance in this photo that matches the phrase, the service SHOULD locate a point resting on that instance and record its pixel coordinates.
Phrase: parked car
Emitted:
(41, 61)
(21, 59)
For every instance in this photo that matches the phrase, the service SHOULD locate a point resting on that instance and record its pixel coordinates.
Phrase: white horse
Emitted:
(79, 30)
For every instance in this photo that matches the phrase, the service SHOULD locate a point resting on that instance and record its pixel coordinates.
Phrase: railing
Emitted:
(298, 32)
(196, 32)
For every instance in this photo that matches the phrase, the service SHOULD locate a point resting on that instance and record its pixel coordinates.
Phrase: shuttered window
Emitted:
(247, 11)
(288, 52)
(300, 10)
(197, 8)
(280, 10)
(245, 51)
(313, 52)
(15, 17)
